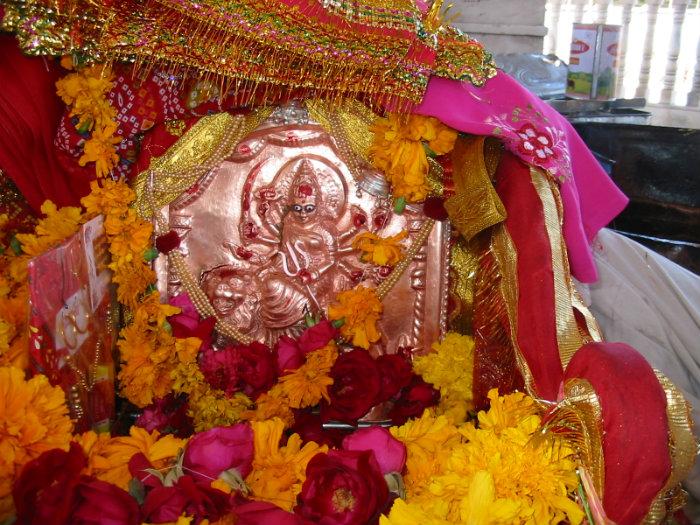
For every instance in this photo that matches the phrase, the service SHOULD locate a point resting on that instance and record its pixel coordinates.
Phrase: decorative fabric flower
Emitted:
(360, 310)
(382, 251)
(535, 142)
(33, 419)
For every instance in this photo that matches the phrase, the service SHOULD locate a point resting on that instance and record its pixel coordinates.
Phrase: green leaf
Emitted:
(400, 205)
(16, 245)
(337, 323)
(137, 490)
(234, 480)
(168, 327)
(150, 254)
(429, 152)
(394, 481)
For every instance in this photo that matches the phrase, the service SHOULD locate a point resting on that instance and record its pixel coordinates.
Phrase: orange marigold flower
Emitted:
(279, 472)
(161, 451)
(382, 251)
(397, 150)
(270, 405)
(33, 419)
(308, 384)
(99, 148)
(360, 310)
(93, 445)
(54, 228)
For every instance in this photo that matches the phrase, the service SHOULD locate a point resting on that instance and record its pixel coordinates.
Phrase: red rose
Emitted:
(413, 400)
(264, 513)
(167, 414)
(101, 503)
(289, 355)
(389, 452)
(168, 242)
(210, 453)
(44, 493)
(395, 372)
(343, 488)
(165, 504)
(310, 427)
(356, 387)
(318, 336)
(251, 369)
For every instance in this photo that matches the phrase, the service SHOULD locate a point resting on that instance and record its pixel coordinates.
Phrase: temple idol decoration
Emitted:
(269, 232)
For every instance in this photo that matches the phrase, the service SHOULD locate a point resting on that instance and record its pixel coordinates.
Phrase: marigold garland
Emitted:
(398, 151)
(85, 93)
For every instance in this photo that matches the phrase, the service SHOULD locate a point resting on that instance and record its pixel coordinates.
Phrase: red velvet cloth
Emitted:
(29, 114)
(536, 323)
(635, 439)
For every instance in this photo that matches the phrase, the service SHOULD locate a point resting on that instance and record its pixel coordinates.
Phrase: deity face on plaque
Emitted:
(270, 232)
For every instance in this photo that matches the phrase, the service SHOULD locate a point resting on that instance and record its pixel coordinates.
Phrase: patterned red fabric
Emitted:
(536, 328)
(29, 114)
(635, 437)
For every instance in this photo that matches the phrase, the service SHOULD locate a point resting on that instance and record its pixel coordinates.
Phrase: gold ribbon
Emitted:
(204, 147)
(682, 449)
(475, 205)
(568, 337)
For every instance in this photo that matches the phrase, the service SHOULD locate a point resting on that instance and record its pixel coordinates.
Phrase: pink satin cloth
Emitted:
(539, 135)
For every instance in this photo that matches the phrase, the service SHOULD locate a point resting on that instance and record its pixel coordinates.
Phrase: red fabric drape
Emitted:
(29, 114)
(635, 426)
(536, 327)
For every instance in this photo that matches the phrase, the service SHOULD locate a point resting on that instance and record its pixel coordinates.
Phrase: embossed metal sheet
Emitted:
(269, 235)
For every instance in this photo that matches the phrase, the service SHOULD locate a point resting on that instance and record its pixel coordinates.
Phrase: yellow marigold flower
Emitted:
(108, 197)
(403, 513)
(279, 472)
(360, 310)
(449, 367)
(33, 419)
(129, 236)
(85, 91)
(382, 251)
(132, 279)
(7, 333)
(428, 441)
(308, 384)
(212, 408)
(535, 471)
(270, 405)
(54, 228)
(161, 451)
(506, 411)
(99, 148)
(397, 150)
(93, 445)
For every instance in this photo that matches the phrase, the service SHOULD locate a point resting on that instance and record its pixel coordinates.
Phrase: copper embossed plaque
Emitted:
(269, 233)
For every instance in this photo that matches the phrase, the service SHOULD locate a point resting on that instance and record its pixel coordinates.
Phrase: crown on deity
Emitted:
(305, 182)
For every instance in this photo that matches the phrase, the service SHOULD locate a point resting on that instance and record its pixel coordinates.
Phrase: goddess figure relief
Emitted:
(269, 233)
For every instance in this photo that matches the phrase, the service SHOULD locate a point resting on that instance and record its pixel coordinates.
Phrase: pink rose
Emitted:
(188, 322)
(289, 355)
(389, 452)
(317, 336)
(264, 513)
(210, 453)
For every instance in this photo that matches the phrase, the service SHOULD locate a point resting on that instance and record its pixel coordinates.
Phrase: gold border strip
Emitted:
(568, 337)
